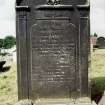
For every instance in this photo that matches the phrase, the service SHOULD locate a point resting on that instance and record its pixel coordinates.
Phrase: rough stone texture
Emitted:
(82, 101)
(52, 49)
(25, 102)
(64, 101)
(93, 103)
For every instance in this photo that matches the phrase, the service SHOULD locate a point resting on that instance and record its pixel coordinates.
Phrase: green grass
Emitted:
(8, 86)
(98, 72)
(98, 63)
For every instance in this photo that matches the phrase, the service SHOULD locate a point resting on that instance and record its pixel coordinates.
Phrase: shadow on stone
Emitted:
(97, 88)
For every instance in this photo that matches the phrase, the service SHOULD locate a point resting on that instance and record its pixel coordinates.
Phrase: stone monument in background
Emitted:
(53, 48)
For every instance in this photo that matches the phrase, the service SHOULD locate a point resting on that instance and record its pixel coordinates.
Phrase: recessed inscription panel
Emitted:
(53, 58)
(62, 2)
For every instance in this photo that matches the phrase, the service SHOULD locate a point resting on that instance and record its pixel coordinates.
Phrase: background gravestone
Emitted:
(53, 48)
(101, 42)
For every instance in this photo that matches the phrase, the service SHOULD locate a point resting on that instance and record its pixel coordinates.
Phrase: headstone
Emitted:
(101, 42)
(52, 49)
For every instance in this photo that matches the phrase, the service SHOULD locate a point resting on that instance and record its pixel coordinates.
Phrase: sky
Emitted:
(97, 17)
(7, 17)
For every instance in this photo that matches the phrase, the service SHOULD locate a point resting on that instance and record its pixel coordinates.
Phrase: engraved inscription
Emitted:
(53, 57)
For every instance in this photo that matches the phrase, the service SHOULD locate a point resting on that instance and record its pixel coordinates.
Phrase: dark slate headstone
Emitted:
(101, 42)
(53, 48)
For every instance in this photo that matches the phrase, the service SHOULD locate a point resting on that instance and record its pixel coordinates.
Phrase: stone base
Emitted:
(25, 102)
(80, 101)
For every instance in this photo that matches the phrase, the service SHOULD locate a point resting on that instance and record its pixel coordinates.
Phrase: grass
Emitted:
(8, 82)
(8, 86)
(98, 63)
(98, 74)
(98, 67)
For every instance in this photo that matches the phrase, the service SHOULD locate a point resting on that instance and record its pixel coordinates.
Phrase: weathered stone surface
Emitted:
(53, 58)
(25, 102)
(53, 48)
(93, 103)
(101, 42)
(64, 101)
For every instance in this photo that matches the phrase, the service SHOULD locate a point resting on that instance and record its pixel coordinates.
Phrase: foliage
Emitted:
(3, 54)
(95, 34)
(9, 42)
(1, 43)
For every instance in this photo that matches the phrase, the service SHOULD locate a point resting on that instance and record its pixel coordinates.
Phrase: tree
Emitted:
(9, 42)
(1, 43)
(95, 34)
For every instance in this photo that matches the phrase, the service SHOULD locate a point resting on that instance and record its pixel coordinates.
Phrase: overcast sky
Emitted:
(98, 17)
(7, 17)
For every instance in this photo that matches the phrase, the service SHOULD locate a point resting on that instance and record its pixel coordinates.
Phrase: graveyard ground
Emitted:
(8, 87)
(98, 74)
